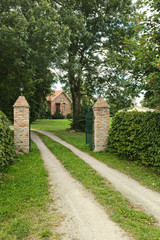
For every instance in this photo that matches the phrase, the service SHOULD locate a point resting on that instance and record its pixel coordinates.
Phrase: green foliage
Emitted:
(26, 209)
(7, 152)
(58, 115)
(79, 123)
(135, 135)
(30, 41)
(140, 58)
(47, 115)
(118, 98)
(95, 27)
(69, 116)
(46, 233)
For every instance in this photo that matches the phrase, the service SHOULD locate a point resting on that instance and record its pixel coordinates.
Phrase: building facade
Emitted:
(59, 102)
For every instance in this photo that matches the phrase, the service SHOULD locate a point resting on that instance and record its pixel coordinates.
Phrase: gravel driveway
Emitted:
(139, 195)
(85, 218)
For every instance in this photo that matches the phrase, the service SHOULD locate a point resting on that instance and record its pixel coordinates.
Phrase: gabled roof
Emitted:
(55, 94)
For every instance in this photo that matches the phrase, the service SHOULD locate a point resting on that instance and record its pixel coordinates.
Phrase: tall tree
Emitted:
(141, 57)
(94, 25)
(30, 40)
(150, 54)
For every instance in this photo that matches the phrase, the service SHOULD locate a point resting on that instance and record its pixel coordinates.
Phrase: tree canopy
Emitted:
(150, 55)
(96, 26)
(30, 40)
(141, 57)
(96, 44)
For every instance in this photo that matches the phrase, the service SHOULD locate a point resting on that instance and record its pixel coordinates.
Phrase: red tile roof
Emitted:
(53, 95)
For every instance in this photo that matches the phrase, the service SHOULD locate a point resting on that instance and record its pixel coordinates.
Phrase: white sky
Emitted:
(138, 100)
(58, 86)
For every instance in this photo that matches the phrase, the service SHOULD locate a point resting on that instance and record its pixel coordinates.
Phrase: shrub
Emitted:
(136, 135)
(7, 152)
(48, 115)
(69, 116)
(58, 115)
(79, 124)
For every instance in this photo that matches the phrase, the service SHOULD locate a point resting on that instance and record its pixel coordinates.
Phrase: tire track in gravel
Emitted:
(85, 218)
(139, 195)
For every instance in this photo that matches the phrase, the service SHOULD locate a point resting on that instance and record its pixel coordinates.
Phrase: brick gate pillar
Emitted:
(101, 125)
(21, 125)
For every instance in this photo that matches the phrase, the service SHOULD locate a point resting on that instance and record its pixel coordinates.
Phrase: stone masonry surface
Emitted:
(21, 125)
(101, 125)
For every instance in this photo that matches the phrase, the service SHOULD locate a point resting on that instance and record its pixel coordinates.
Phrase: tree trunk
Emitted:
(75, 84)
(76, 98)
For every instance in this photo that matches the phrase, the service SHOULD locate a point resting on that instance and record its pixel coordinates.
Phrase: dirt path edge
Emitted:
(145, 198)
(85, 218)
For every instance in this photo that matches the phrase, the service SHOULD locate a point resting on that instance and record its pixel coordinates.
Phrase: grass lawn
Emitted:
(148, 176)
(51, 124)
(138, 224)
(26, 208)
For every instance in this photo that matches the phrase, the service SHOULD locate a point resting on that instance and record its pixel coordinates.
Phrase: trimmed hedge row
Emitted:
(136, 136)
(7, 152)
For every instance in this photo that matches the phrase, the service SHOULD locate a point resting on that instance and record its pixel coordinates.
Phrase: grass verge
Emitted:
(26, 208)
(137, 223)
(147, 176)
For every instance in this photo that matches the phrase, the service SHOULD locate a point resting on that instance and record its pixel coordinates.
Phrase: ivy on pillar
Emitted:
(101, 124)
(21, 125)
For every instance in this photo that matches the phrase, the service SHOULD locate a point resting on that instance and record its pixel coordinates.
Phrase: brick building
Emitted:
(58, 101)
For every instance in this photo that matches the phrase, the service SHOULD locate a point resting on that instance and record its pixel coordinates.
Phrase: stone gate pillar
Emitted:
(21, 125)
(101, 124)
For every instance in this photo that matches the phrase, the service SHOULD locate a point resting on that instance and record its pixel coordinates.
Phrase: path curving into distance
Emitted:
(139, 195)
(85, 218)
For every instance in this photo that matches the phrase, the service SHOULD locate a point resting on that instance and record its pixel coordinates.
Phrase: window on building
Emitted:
(63, 109)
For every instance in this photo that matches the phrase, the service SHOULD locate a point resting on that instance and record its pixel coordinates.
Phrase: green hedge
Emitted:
(7, 152)
(136, 135)
(58, 115)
